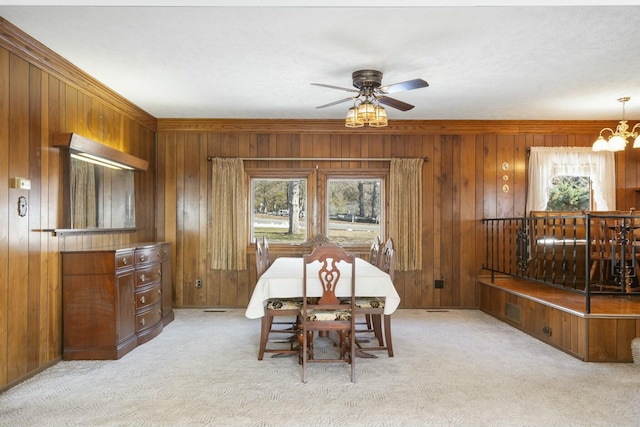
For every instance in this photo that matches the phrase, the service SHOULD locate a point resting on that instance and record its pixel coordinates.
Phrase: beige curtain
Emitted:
(229, 186)
(83, 195)
(405, 223)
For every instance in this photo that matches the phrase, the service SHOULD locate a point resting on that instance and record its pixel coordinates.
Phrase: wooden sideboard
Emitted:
(114, 299)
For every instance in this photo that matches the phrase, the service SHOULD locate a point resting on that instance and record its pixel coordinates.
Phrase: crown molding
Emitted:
(453, 127)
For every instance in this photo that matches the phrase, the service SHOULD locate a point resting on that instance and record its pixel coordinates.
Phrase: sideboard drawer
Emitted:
(148, 255)
(147, 275)
(124, 259)
(148, 318)
(148, 297)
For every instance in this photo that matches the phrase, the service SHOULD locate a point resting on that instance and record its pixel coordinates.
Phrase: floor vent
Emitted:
(437, 311)
(512, 312)
(215, 311)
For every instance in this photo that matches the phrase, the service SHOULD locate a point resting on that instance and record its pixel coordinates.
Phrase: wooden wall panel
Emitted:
(40, 94)
(462, 182)
(35, 102)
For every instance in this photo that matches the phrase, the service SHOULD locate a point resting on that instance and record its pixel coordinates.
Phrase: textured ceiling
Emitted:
(250, 61)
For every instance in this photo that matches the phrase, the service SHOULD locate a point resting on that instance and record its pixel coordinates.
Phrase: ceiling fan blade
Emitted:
(395, 103)
(336, 102)
(335, 87)
(399, 87)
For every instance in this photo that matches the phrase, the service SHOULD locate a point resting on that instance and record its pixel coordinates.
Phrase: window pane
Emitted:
(569, 193)
(354, 210)
(279, 210)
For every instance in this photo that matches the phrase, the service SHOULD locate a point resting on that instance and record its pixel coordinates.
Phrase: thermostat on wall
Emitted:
(21, 183)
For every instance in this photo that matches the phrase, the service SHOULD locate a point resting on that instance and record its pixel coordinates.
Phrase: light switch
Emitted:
(21, 183)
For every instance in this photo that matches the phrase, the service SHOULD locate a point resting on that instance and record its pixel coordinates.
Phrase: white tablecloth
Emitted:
(283, 279)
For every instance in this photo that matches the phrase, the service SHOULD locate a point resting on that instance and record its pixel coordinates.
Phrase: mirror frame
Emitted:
(72, 143)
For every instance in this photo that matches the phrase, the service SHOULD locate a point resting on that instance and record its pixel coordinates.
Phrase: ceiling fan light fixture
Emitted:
(369, 92)
(380, 119)
(366, 111)
(618, 139)
(352, 120)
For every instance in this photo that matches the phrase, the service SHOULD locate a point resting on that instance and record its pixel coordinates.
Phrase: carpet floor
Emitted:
(451, 368)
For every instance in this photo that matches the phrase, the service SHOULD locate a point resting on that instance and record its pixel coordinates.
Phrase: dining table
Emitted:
(284, 279)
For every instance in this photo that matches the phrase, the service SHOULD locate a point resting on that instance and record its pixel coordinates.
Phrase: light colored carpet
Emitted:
(451, 368)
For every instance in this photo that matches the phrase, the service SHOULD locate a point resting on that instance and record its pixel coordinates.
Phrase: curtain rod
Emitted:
(323, 159)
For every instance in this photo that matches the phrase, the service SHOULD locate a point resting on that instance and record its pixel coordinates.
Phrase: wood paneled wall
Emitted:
(41, 93)
(37, 99)
(463, 182)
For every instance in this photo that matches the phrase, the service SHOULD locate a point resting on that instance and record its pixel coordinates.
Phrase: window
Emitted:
(278, 209)
(547, 164)
(569, 193)
(354, 210)
(291, 206)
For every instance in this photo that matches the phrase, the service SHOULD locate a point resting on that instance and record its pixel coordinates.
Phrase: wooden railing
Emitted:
(587, 253)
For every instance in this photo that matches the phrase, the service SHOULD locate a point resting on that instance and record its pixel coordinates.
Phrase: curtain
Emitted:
(405, 223)
(229, 187)
(83, 195)
(545, 163)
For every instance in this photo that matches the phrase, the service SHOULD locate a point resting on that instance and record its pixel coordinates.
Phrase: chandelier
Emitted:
(366, 110)
(617, 140)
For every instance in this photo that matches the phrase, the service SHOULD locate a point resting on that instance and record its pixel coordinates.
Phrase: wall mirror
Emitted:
(98, 185)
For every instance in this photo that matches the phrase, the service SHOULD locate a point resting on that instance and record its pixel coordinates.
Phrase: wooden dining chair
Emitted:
(374, 259)
(265, 252)
(388, 244)
(287, 309)
(606, 249)
(374, 252)
(326, 313)
(374, 307)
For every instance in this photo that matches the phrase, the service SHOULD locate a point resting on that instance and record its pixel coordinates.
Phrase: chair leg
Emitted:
(265, 327)
(387, 334)
(344, 342)
(304, 356)
(376, 319)
(310, 344)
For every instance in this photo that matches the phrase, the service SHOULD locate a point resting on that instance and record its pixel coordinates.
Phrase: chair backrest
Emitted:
(265, 252)
(329, 255)
(318, 240)
(605, 232)
(388, 244)
(374, 252)
(388, 263)
(260, 266)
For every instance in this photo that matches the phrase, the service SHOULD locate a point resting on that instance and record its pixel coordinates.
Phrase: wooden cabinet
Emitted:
(113, 299)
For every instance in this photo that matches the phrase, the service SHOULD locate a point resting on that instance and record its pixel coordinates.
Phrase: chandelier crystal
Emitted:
(618, 139)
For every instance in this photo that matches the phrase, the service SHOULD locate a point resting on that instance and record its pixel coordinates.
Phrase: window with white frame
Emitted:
(556, 174)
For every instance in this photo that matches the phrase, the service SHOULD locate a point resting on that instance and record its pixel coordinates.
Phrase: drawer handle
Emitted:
(143, 278)
(142, 258)
(124, 261)
(142, 321)
(143, 300)
(159, 291)
(160, 312)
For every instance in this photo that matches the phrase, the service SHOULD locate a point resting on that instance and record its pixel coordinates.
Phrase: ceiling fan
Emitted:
(368, 88)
